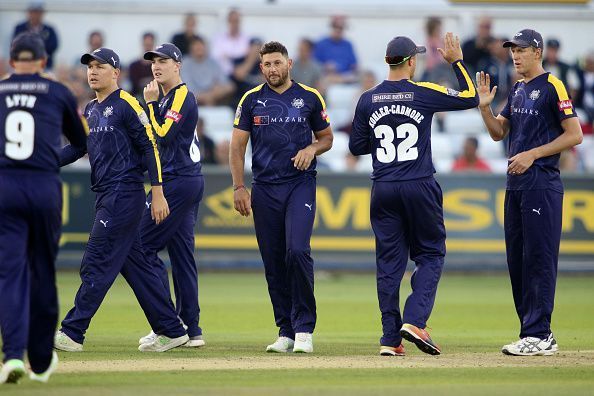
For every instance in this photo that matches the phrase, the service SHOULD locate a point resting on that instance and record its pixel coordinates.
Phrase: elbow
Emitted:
(475, 101)
(579, 138)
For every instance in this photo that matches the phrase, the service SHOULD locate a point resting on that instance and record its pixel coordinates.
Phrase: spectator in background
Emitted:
(139, 72)
(336, 54)
(204, 76)
(367, 81)
(231, 45)
(183, 39)
(588, 86)
(34, 24)
(436, 69)
(477, 48)
(246, 71)
(95, 41)
(560, 69)
(305, 69)
(501, 69)
(207, 145)
(469, 160)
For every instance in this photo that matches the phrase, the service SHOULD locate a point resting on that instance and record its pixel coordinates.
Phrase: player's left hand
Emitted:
(452, 50)
(520, 162)
(151, 92)
(159, 205)
(303, 159)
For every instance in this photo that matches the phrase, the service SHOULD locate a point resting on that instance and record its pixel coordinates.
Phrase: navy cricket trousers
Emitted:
(176, 234)
(532, 236)
(30, 226)
(283, 218)
(114, 247)
(407, 217)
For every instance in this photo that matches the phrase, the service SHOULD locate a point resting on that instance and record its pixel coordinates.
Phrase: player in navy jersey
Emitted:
(174, 119)
(34, 112)
(540, 121)
(392, 122)
(279, 118)
(120, 135)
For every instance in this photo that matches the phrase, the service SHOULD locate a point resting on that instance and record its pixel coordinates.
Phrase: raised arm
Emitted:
(498, 127)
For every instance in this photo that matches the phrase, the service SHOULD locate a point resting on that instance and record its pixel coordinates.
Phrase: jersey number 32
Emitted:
(404, 151)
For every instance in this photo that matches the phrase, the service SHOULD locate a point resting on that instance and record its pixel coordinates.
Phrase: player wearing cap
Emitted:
(540, 121)
(392, 122)
(120, 135)
(34, 112)
(279, 118)
(174, 119)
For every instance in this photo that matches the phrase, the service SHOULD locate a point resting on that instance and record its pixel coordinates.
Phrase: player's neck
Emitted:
(533, 73)
(169, 85)
(398, 74)
(281, 89)
(104, 93)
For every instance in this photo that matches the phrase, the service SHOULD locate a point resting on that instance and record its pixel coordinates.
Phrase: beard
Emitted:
(281, 79)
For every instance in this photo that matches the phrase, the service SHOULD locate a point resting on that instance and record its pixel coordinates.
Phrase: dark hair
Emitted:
(148, 34)
(272, 47)
(432, 24)
(473, 141)
(196, 38)
(308, 42)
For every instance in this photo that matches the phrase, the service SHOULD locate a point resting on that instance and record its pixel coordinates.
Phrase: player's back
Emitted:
(32, 117)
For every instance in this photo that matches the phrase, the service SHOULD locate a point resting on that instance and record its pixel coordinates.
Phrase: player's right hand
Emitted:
(451, 50)
(242, 201)
(483, 86)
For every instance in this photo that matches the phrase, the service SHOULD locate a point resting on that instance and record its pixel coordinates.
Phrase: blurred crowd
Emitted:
(221, 68)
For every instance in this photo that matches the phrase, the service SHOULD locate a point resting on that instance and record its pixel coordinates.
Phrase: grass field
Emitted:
(473, 317)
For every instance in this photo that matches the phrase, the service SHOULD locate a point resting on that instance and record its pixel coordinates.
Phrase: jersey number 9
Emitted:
(20, 135)
(405, 151)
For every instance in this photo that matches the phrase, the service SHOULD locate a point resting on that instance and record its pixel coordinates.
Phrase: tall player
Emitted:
(392, 122)
(279, 117)
(120, 135)
(34, 112)
(174, 119)
(541, 122)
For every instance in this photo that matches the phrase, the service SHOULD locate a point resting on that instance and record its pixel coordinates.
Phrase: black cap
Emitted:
(526, 38)
(553, 43)
(400, 49)
(27, 46)
(102, 55)
(166, 50)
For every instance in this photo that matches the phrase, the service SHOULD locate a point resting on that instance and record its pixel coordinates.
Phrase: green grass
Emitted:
(471, 314)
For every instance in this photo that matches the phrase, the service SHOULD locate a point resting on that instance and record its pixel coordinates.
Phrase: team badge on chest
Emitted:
(534, 94)
(297, 103)
(108, 111)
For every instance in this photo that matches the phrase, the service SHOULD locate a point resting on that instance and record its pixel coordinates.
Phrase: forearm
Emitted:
(494, 126)
(322, 144)
(237, 163)
(70, 154)
(563, 142)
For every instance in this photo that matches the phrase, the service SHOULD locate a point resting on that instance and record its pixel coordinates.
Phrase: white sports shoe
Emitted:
(303, 343)
(44, 377)
(12, 371)
(281, 345)
(147, 339)
(163, 343)
(64, 343)
(195, 342)
(532, 346)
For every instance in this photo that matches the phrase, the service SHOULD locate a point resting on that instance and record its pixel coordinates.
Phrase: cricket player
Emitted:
(174, 118)
(540, 121)
(279, 118)
(392, 122)
(34, 112)
(120, 135)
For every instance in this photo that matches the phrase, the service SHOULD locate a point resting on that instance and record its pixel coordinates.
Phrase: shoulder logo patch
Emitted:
(173, 115)
(565, 105)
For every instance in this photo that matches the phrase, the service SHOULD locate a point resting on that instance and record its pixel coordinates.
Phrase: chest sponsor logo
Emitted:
(564, 105)
(393, 97)
(297, 103)
(173, 115)
(108, 111)
(262, 120)
(534, 94)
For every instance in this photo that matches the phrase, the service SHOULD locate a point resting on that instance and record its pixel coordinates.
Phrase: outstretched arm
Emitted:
(498, 127)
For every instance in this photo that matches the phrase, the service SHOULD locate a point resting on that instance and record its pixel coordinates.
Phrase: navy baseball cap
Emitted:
(526, 38)
(102, 55)
(400, 49)
(166, 50)
(27, 47)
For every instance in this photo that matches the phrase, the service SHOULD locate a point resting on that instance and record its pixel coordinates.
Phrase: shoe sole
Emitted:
(302, 351)
(272, 350)
(194, 344)
(423, 345)
(387, 352)
(15, 376)
(549, 352)
(168, 347)
(66, 348)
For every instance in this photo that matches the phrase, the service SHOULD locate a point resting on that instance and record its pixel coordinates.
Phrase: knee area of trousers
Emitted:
(295, 254)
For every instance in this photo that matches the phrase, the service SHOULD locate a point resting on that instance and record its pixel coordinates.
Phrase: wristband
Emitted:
(239, 187)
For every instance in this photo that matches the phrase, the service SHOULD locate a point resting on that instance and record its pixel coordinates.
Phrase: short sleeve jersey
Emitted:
(535, 111)
(280, 125)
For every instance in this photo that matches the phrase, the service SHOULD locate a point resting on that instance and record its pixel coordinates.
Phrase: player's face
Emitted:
(101, 75)
(525, 59)
(164, 69)
(275, 68)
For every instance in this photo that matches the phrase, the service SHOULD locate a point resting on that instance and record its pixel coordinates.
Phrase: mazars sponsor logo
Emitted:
(173, 115)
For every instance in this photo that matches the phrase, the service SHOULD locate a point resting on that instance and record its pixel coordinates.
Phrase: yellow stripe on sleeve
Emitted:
(310, 89)
(468, 93)
(561, 91)
(85, 125)
(245, 95)
(131, 100)
(178, 100)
